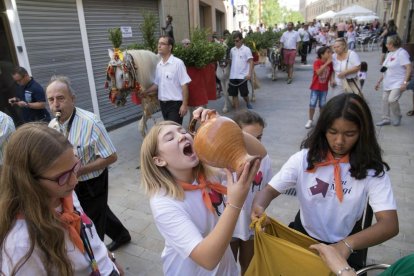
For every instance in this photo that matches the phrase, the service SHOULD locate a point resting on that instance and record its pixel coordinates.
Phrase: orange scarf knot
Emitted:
(203, 185)
(330, 160)
(72, 221)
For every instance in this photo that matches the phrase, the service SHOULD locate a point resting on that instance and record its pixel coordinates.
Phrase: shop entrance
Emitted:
(8, 60)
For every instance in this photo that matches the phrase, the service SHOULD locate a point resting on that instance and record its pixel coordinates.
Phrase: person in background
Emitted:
(168, 29)
(346, 64)
(351, 37)
(186, 42)
(93, 146)
(242, 241)
(396, 72)
(389, 29)
(30, 97)
(276, 29)
(241, 71)
(171, 82)
(362, 74)
(305, 37)
(322, 75)
(332, 35)
(338, 170)
(45, 230)
(290, 41)
(6, 129)
(341, 29)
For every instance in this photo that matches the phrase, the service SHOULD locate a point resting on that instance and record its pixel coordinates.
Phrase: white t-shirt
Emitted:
(341, 65)
(362, 75)
(184, 224)
(169, 77)
(323, 216)
(289, 39)
(304, 34)
(350, 36)
(240, 62)
(242, 230)
(395, 74)
(322, 38)
(17, 245)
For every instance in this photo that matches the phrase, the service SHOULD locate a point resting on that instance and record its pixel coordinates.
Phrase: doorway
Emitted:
(8, 60)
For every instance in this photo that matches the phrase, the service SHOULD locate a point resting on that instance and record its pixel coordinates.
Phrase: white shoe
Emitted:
(309, 124)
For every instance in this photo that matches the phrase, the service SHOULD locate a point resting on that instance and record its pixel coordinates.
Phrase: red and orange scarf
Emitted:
(203, 185)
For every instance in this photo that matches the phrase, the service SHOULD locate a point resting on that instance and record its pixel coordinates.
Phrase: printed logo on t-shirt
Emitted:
(321, 187)
(28, 96)
(216, 200)
(257, 181)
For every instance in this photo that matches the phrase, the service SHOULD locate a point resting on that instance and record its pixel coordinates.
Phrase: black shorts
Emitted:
(236, 85)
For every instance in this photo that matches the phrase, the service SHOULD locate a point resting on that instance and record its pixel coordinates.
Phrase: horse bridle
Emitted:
(130, 83)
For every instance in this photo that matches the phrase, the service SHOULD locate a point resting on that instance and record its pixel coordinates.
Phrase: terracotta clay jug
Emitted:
(220, 142)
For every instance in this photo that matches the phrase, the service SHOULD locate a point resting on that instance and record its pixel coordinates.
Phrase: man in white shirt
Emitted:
(305, 36)
(240, 71)
(171, 82)
(276, 29)
(290, 40)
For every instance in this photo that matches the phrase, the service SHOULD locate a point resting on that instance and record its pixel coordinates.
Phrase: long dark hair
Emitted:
(365, 154)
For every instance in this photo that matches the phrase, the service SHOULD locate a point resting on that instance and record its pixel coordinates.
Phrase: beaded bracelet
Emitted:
(349, 247)
(347, 268)
(234, 206)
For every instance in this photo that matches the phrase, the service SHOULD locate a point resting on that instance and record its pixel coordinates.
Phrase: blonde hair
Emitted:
(155, 178)
(343, 42)
(31, 150)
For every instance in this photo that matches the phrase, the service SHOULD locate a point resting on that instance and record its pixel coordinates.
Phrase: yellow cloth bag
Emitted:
(283, 251)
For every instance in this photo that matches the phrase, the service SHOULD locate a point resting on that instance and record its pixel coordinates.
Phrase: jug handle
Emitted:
(191, 126)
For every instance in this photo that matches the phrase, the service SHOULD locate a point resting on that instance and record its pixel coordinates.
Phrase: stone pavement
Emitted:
(285, 109)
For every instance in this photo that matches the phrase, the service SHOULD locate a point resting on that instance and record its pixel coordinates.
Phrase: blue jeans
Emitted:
(316, 96)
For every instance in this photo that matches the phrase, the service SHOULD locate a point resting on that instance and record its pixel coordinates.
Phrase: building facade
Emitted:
(70, 37)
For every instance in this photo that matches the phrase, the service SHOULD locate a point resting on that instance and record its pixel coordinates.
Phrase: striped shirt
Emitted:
(6, 129)
(89, 138)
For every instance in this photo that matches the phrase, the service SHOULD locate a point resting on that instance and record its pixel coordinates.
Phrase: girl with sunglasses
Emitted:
(43, 229)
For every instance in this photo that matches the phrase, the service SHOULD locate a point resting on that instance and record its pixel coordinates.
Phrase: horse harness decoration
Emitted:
(129, 80)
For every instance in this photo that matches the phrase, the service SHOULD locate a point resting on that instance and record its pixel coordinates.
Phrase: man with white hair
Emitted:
(93, 146)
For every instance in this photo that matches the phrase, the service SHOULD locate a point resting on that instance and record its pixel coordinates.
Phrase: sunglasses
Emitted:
(64, 177)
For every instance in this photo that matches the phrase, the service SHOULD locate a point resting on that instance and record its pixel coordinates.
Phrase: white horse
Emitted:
(223, 74)
(132, 72)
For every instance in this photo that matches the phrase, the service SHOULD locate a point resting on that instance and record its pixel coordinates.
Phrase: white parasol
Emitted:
(353, 11)
(326, 15)
(365, 18)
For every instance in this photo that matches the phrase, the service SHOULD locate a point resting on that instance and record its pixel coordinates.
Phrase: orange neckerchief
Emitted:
(330, 160)
(203, 184)
(72, 221)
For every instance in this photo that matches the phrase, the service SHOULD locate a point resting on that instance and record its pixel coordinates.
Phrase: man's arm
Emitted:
(249, 76)
(184, 105)
(36, 105)
(98, 164)
(151, 90)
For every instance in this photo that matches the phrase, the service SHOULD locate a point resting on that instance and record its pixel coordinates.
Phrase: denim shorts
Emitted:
(316, 96)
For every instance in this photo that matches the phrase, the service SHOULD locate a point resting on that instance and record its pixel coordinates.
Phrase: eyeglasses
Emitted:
(64, 177)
